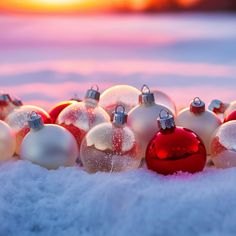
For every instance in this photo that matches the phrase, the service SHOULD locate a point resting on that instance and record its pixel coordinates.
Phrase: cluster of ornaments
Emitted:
(119, 130)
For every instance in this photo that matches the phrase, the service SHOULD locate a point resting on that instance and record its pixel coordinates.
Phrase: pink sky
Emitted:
(44, 60)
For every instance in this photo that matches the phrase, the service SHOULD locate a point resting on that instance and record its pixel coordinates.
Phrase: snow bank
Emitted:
(68, 201)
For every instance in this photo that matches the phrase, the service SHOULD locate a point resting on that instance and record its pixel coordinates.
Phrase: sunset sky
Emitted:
(46, 57)
(73, 6)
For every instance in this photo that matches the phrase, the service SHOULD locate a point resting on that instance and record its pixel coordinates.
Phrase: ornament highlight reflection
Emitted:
(175, 149)
(223, 146)
(110, 147)
(50, 146)
(196, 118)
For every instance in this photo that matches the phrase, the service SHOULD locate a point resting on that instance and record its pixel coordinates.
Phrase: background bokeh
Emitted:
(53, 49)
(75, 6)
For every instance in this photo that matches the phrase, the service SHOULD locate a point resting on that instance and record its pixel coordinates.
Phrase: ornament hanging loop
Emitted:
(146, 97)
(165, 120)
(93, 93)
(32, 115)
(95, 87)
(120, 106)
(145, 89)
(120, 116)
(197, 101)
(165, 112)
(197, 106)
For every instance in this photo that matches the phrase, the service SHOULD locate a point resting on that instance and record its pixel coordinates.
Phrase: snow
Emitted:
(44, 60)
(69, 201)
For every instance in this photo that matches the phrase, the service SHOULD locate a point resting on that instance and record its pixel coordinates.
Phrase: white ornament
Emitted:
(143, 118)
(49, 146)
(201, 121)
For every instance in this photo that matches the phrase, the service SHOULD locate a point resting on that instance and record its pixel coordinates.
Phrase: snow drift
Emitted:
(69, 201)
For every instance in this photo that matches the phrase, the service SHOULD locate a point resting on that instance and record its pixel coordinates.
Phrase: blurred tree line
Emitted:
(174, 5)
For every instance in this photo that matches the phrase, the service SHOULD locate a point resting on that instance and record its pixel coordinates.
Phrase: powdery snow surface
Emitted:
(69, 201)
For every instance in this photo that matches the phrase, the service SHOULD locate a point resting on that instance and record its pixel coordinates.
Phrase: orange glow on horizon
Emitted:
(61, 6)
(74, 6)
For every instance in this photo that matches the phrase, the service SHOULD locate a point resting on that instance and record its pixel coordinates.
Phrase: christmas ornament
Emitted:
(175, 149)
(220, 107)
(164, 100)
(80, 117)
(230, 108)
(124, 95)
(110, 147)
(18, 121)
(231, 116)
(142, 118)
(217, 106)
(7, 105)
(7, 142)
(49, 146)
(223, 146)
(58, 108)
(196, 118)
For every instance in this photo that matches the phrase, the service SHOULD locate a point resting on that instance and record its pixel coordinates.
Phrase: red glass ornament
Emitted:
(56, 110)
(176, 149)
(80, 117)
(76, 132)
(231, 116)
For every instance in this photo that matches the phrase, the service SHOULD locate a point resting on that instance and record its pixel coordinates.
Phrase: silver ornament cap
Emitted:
(197, 106)
(93, 93)
(17, 102)
(146, 97)
(165, 120)
(120, 116)
(218, 106)
(5, 97)
(35, 121)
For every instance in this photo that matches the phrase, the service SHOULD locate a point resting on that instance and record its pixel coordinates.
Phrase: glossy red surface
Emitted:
(56, 110)
(117, 139)
(76, 132)
(3, 103)
(231, 116)
(178, 149)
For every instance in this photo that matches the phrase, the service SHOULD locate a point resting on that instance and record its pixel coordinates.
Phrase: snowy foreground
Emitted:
(68, 201)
